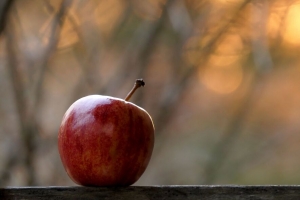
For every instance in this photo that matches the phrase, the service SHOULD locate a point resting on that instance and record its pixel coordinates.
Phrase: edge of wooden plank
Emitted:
(205, 192)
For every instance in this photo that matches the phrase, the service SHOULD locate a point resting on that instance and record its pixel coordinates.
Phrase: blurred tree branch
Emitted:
(26, 103)
(173, 95)
(263, 63)
(5, 6)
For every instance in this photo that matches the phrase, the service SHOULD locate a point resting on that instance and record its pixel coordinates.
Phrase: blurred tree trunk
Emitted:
(5, 6)
(27, 91)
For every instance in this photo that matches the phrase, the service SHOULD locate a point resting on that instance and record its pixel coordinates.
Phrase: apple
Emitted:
(106, 141)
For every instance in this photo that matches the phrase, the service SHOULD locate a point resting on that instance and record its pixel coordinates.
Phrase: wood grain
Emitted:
(155, 192)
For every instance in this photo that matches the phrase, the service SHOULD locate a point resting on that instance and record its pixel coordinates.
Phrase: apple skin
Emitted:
(105, 141)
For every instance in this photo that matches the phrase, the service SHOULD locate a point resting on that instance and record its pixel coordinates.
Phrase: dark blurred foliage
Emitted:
(222, 84)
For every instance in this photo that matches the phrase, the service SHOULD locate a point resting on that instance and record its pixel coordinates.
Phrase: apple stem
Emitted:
(138, 83)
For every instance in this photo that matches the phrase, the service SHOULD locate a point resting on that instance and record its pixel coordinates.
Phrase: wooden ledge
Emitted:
(214, 192)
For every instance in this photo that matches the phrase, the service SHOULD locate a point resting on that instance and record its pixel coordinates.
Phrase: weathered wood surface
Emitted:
(155, 192)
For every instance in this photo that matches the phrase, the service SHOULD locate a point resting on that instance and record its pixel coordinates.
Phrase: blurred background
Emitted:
(222, 84)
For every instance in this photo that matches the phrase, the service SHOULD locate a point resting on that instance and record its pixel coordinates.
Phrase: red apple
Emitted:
(105, 141)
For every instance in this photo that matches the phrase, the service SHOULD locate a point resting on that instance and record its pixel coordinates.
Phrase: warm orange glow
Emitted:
(229, 2)
(107, 14)
(223, 74)
(275, 25)
(230, 45)
(292, 30)
(68, 33)
(149, 9)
